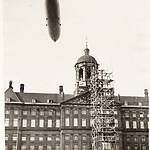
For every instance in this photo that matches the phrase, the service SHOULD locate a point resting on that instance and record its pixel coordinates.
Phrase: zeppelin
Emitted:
(53, 19)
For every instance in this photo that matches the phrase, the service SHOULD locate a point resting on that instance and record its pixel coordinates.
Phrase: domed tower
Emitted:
(84, 67)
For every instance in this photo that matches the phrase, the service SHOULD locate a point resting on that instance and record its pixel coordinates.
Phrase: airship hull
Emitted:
(53, 18)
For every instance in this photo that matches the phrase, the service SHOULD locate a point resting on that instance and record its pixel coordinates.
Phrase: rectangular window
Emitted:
(24, 123)
(32, 122)
(32, 138)
(126, 114)
(16, 112)
(134, 124)
(66, 121)
(50, 113)
(135, 139)
(15, 122)
(142, 124)
(8, 99)
(57, 113)
(7, 112)
(140, 103)
(49, 138)
(49, 147)
(23, 147)
(134, 115)
(25, 112)
(67, 111)
(83, 147)
(115, 112)
(67, 147)
(84, 137)
(57, 123)
(83, 122)
(6, 137)
(14, 147)
(41, 123)
(57, 138)
(143, 139)
(49, 123)
(76, 137)
(31, 147)
(6, 122)
(143, 147)
(14, 137)
(6, 147)
(57, 147)
(67, 137)
(23, 138)
(75, 112)
(141, 114)
(75, 147)
(83, 111)
(127, 125)
(126, 103)
(116, 122)
(40, 138)
(128, 139)
(41, 112)
(40, 147)
(75, 122)
(33, 112)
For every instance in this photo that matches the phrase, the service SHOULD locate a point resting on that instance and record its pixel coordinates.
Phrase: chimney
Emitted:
(146, 93)
(61, 91)
(21, 88)
(10, 84)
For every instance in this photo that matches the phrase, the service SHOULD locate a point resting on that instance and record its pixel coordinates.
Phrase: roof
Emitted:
(86, 57)
(68, 98)
(39, 97)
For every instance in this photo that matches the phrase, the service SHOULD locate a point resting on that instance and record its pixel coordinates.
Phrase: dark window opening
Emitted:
(88, 73)
(81, 73)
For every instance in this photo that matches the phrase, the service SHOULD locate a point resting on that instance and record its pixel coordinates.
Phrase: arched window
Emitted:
(88, 73)
(80, 73)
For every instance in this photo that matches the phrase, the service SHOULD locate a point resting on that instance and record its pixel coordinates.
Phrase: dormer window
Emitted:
(140, 103)
(8, 99)
(126, 103)
(49, 101)
(33, 100)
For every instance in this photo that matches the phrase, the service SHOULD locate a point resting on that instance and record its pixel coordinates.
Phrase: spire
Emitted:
(86, 51)
(86, 43)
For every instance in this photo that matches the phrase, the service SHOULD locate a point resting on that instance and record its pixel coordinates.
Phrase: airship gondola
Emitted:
(53, 19)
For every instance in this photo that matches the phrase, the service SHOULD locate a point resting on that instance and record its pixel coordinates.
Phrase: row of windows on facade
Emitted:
(46, 123)
(135, 124)
(134, 114)
(33, 100)
(127, 103)
(46, 137)
(136, 147)
(136, 139)
(41, 112)
(49, 147)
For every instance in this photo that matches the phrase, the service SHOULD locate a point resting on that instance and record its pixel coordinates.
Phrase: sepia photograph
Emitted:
(76, 74)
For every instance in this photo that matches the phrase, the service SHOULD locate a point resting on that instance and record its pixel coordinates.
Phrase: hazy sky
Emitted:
(117, 32)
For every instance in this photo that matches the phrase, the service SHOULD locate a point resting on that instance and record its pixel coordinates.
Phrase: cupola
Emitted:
(84, 67)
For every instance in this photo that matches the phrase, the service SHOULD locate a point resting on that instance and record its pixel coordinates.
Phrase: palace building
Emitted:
(60, 121)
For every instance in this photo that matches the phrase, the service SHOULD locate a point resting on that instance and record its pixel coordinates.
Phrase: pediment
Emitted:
(83, 98)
